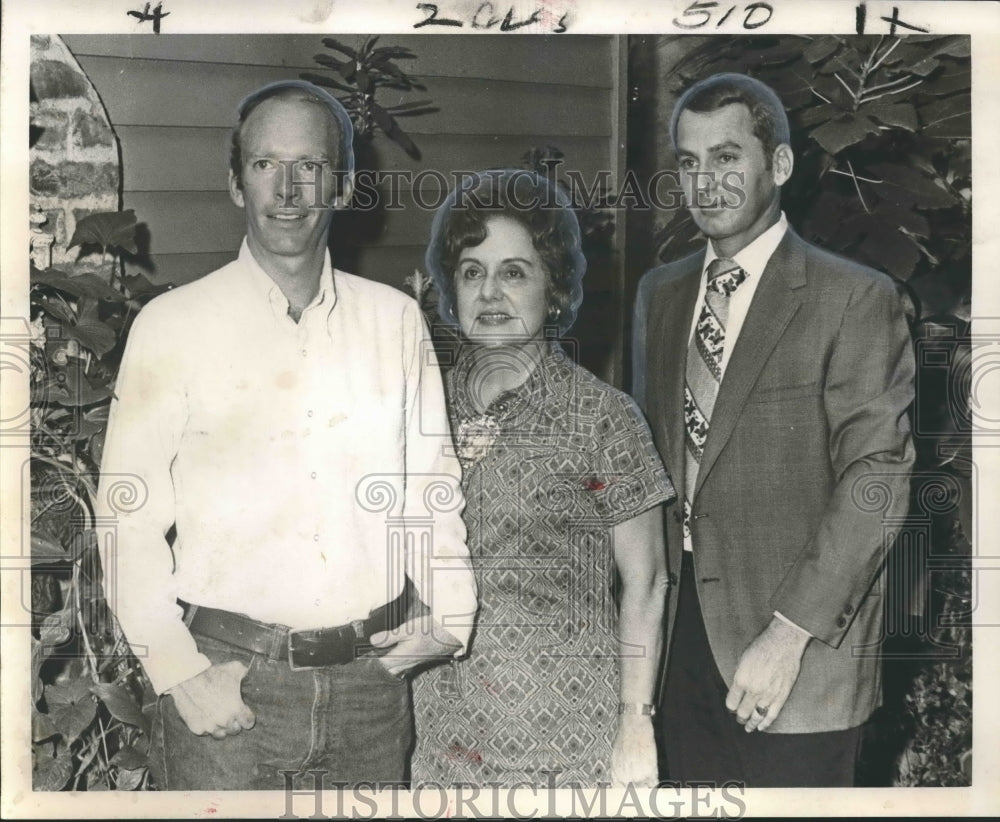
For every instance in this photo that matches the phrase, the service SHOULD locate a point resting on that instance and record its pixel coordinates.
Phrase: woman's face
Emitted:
(500, 286)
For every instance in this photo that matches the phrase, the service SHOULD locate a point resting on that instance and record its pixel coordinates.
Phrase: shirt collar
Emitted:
(753, 258)
(266, 288)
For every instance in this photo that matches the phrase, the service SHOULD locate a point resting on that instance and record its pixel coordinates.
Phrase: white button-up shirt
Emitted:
(305, 466)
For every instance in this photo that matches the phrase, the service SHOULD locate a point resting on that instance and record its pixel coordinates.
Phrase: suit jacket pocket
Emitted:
(777, 393)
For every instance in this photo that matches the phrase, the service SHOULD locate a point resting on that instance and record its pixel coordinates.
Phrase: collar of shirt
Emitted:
(754, 257)
(265, 288)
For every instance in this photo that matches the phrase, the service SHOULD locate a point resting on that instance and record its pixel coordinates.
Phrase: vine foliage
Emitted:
(88, 729)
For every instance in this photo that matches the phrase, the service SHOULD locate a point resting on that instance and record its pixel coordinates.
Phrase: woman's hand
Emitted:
(633, 758)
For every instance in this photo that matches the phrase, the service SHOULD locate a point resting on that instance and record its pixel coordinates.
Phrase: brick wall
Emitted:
(75, 159)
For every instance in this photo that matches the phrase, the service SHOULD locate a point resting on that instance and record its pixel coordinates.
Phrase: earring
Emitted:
(554, 312)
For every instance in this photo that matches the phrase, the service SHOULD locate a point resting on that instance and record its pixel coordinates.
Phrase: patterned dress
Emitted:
(548, 470)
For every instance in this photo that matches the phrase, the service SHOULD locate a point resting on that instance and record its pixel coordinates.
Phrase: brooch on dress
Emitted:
(475, 438)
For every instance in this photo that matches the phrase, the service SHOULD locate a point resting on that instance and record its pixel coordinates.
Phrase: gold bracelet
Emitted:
(640, 708)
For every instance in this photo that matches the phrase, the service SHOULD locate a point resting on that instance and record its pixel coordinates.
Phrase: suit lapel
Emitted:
(671, 333)
(774, 304)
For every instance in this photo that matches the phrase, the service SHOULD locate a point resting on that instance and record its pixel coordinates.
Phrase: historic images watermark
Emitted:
(316, 185)
(309, 795)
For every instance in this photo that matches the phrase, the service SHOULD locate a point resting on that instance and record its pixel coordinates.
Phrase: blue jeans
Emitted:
(354, 722)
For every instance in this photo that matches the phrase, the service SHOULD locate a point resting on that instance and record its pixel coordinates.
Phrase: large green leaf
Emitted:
(55, 631)
(107, 229)
(129, 780)
(392, 130)
(925, 67)
(42, 726)
(80, 285)
(959, 45)
(907, 186)
(821, 48)
(51, 772)
(948, 117)
(92, 334)
(122, 706)
(844, 61)
(815, 115)
(847, 130)
(794, 89)
(129, 759)
(950, 80)
(336, 45)
(328, 61)
(901, 115)
(58, 309)
(891, 251)
(71, 706)
(46, 548)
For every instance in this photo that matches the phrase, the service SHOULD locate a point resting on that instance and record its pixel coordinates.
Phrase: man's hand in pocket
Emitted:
(211, 702)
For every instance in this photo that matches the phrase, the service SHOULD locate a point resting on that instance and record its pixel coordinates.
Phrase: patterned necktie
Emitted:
(704, 369)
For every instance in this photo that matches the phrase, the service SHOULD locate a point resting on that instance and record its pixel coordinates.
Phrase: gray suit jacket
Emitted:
(805, 472)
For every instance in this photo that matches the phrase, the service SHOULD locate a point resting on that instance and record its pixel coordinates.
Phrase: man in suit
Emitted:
(777, 378)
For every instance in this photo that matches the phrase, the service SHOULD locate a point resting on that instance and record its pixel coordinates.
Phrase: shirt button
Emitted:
(848, 609)
(313, 475)
(309, 413)
(304, 353)
(315, 537)
(841, 622)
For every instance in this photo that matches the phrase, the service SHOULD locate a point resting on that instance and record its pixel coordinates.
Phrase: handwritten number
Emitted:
(144, 16)
(725, 16)
(750, 9)
(561, 27)
(696, 8)
(860, 13)
(432, 18)
(895, 21)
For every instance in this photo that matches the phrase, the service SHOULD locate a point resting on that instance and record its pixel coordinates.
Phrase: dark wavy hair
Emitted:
(770, 122)
(540, 206)
(309, 93)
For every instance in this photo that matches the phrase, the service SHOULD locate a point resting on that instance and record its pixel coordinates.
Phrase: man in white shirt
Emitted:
(274, 476)
(777, 379)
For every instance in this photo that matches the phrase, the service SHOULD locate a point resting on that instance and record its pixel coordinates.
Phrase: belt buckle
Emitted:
(291, 651)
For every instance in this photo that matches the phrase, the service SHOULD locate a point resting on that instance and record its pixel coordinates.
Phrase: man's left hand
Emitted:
(765, 675)
(413, 643)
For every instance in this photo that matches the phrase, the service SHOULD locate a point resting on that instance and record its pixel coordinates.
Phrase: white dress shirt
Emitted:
(753, 259)
(292, 458)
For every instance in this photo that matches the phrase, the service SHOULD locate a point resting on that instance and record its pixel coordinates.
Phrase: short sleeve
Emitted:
(629, 474)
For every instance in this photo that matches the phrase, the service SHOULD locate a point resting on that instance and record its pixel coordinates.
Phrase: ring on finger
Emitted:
(761, 709)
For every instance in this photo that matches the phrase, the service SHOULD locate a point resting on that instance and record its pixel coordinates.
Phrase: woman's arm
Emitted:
(640, 556)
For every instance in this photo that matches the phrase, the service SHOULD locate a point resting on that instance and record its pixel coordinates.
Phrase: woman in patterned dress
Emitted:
(563, 486)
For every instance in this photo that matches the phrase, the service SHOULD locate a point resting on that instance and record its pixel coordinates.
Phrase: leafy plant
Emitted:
(359, 74)
(88, 729)
(881, 129)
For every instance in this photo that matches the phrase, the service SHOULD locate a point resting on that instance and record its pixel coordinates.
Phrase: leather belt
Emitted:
(304, 648)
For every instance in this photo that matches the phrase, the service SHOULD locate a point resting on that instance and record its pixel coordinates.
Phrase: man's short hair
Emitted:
(343, 163)
(540, 206)
(770, 122)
